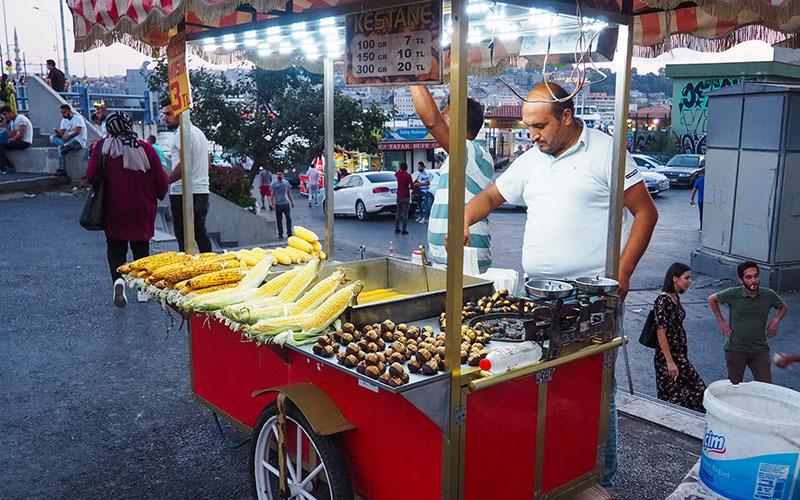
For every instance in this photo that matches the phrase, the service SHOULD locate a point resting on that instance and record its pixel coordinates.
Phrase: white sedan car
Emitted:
(656, 182)
(365, 193)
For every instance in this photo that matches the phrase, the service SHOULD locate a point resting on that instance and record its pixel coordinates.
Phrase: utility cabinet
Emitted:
(752, 185)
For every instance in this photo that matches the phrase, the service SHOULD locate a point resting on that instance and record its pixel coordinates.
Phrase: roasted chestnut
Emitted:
(396, 369)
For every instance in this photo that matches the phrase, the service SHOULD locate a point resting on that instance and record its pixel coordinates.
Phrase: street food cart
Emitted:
(321, 430)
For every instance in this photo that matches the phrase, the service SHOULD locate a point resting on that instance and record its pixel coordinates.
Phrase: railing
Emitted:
(139, 107)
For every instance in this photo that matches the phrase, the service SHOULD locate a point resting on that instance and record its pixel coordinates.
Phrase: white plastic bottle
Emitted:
(511, 355)
(391, 249)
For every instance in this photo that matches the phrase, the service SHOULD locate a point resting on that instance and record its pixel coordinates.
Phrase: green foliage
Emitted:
(233, 184)
(276, 117)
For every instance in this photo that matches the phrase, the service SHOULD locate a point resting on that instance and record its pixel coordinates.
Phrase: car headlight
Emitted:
(684, 175)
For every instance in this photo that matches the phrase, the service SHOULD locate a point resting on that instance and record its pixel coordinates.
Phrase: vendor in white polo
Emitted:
(565, 182)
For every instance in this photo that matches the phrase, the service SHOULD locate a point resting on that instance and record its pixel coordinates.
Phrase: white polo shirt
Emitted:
(199, 167)
(567, 200)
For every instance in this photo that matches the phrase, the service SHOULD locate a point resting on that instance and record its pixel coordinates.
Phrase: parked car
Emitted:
(292, 174)
(682, 170)
(365, 193)
(655, 181)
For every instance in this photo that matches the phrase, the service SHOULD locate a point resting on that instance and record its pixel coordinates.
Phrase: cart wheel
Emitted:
(316, 468)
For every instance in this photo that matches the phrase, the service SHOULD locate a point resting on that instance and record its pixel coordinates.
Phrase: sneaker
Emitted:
(263, 207)
(405, 232)
(120, 300)
(142, 297)
(396, 231)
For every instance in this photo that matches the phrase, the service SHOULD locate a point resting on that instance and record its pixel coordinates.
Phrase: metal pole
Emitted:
(451, 482)
(329, 159)
(188, 201)
(622, 66)
(64, 41)
(5, 25)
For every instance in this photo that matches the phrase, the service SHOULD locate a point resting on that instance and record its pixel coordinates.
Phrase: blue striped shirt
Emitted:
(480, 168)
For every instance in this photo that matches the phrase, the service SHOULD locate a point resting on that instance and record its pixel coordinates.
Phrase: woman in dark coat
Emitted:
(676, 379)
(134, 180)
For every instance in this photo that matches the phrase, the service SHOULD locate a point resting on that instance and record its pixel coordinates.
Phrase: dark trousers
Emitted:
(200, 213)
(700, 208)
(117, 253)
(282, 211)
(5, 163)
(760, 366)
(401, 213)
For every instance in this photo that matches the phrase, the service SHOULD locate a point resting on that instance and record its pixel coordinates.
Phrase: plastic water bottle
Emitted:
(510, 356)
(391, 249)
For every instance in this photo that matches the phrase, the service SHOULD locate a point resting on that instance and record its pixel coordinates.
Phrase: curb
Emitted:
(687, 422)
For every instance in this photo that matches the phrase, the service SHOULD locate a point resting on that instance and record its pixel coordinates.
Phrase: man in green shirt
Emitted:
(747, 330)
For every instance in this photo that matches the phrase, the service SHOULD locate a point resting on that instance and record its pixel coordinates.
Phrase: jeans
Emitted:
(425, 203)
(200, 213)
(611, 443)
(313, 195)
(282, 211)
(5, 163)
(117, 253)
(700, 208)
(64, 148)
(4, 136)
(401, 213)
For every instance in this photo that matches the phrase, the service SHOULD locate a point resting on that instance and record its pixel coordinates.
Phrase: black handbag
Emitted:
(649, 335)
(92, 214)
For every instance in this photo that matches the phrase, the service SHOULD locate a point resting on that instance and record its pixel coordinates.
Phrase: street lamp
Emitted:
(55, 27)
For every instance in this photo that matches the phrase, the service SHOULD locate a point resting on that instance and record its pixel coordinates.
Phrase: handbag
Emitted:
(649, 337)
(92, 214)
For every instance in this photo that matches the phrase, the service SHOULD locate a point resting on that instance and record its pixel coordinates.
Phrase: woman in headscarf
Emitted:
(8, 93)
(134, 180)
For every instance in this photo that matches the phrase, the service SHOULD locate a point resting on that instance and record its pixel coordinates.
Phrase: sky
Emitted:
(39, 32)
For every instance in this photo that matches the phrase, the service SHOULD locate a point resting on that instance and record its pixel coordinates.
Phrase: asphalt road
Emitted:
(96, 401)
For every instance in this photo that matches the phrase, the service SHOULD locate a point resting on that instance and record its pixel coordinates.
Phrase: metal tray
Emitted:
(548, 289)
(596, 285)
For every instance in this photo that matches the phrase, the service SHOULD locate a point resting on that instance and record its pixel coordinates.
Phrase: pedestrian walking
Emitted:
(133, 180)
(479, 172)
(404, 182)
(677, 381)
(264, 189)
(282, 203)
(197, 175)
(313, 185)
(423, 184)
(565, 182)
(747, 330)
(697, 190)
(19, 136)
(8, 93)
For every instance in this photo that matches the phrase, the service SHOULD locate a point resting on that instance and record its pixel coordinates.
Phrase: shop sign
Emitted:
(407, 134)
(397, 45)
(179, 94)
(407, 146)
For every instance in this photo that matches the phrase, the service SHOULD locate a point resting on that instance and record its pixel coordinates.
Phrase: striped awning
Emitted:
(659, 25)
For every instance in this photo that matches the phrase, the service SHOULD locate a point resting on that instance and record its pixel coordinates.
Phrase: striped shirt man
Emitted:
(480, 168)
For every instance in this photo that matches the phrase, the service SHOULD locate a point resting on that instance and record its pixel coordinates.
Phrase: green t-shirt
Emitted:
(748, 318)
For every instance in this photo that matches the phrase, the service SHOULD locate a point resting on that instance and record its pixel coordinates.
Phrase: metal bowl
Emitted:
(596, 285)
(548, 289)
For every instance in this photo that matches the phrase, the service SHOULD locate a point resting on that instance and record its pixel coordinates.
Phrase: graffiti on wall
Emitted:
(689, 126)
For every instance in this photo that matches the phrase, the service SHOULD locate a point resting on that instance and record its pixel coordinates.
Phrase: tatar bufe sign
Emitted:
(395, 45)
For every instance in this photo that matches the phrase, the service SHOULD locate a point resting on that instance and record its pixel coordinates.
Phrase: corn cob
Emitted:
(259, 252)
(248, 257)
(274, 286)
(318, 293)
(196, 269)
(282, 257)
(209, 289)
(331, 309)
(300, 283)
(264, 329)
(245, 312)
(175, 259)
(255, 276)
(317, 246)
(305, 234)
(140, 274)
(139, 264)
(222, 277)
(300, 244)
(298, 255)
(322, 255)
(163, 271)
(124, 269)
(162, 284)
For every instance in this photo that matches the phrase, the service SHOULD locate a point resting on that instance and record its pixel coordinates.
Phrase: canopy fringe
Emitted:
(732, 38)
(769, 13)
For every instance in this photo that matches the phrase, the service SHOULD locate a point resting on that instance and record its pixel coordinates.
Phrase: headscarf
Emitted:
(122, 141)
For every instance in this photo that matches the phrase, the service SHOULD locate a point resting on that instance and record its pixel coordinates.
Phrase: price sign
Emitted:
(395, 45)
(179, 94)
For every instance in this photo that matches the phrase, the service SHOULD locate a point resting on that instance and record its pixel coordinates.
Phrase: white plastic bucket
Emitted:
(751, 448)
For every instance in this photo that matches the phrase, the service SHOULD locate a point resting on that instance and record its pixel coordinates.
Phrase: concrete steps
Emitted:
(31, 183)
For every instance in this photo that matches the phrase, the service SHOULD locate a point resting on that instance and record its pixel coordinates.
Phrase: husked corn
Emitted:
(300, 244)
(162, 284)
(124, 269)
(332, 308)
(317, 246)
(322, 255)
(174, 259)
(248, 257)
(208, 289)
(318, 293)
(140, 264)
(306, 234)
(300, 282)
(222, 277)
(282, 257)
(195, 269)
(163, 271)
(274, 286)
(298, 255)
(278, 325)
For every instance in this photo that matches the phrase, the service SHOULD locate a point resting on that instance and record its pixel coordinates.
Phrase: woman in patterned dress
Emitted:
(676, 379)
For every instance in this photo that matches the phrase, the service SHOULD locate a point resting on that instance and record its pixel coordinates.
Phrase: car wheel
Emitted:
(361, 211)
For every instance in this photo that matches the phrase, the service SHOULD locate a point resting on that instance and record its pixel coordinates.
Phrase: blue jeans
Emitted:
(64, 148)
(425, 203)
(611, 443)
(4, 136)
